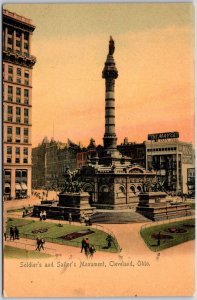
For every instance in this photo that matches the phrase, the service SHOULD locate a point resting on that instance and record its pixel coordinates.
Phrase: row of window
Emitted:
(18, 91)
(18, 120)
(17, 160)
(17, 130)
(18, 43)
(12, 69)
(18, 80)
(18, 33)
(10, 110)
(18, 173)
(162, 149)
(17, 140)
(18, 100)
(17, 150)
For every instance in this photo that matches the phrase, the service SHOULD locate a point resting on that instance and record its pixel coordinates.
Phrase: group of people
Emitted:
(88, 248)
(43, 215)
(40, 243)
(14, 233)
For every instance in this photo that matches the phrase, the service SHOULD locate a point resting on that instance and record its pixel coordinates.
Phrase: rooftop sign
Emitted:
(163, 136)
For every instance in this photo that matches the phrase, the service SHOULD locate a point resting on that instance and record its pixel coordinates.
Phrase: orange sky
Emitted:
(154, 56)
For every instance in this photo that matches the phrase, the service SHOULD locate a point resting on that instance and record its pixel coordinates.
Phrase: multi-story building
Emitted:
(17, 104)
(50, 161)
(171, 159)
(136, 151)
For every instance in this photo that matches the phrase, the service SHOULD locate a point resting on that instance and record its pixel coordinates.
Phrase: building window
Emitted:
(18, 91)
(18, 131)
(10, 110)
(9, 150)
(10, 89)
(26, 93)
(18, 119)
(26, 120)
(10, 98)
(18, 34)
(17, 160)
(18, 80)
(9, 160)
(25, 131)
(25, 160)
(18, 140)
(9, 118)
(10, 79)
(19, 71)
(9, 139)
(26, 35)
(9, 130)
(25, 140)
(10, 40)
(17, 150)
(18, 43)
(26, 46)
(25, 151)
(10, 69)
(26, 101)
(26, 112)
(18, 111)
(18, 100)
(26, 74)
(26, 82)
(10, 31)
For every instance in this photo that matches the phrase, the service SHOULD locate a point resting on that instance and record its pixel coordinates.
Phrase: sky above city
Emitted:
(154, 55)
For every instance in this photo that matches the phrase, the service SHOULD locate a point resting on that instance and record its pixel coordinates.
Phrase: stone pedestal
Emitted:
(76, 204)
(153, 205)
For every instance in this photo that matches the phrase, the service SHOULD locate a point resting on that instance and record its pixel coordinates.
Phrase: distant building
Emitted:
(49, 163)
(136, 151)
(17, 104)
(86, 153)
(171, 159)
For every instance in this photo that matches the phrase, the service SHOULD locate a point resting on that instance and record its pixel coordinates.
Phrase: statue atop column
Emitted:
(111, 46)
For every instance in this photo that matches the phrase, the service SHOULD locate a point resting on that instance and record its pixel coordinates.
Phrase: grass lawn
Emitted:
(12, 252)
(176, 238)
(54, 232)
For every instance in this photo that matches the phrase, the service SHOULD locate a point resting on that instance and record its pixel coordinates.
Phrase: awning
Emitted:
(24, 186)
(18, 187)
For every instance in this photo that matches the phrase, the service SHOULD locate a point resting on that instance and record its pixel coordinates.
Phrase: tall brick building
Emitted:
(17, 104)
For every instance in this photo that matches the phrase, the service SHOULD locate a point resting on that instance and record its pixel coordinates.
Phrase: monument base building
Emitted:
(110, 179)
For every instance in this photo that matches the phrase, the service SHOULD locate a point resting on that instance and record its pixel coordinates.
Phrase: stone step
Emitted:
(118, 218)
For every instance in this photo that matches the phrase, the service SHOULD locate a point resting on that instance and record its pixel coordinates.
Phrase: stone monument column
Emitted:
(110, 73)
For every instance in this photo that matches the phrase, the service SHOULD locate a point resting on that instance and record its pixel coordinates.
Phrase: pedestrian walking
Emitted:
(83, 244)
(42, 242)
(38, 242)
(44, 215)
(92, 250)
(16, 233)
(70, 218)
(109, 240)
(5, 236)
(41, 216)
(11, 233)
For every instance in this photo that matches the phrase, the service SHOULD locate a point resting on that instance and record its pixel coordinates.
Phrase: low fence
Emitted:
(31, 247)
(156, 223)
(170, 242)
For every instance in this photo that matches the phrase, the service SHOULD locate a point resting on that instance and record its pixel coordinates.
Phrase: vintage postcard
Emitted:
(98, 150)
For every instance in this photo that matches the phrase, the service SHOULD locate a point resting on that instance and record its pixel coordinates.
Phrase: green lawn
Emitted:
(12, 252)
(98, 238)
(177, 238)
